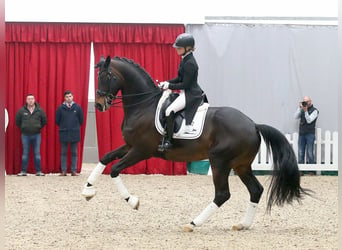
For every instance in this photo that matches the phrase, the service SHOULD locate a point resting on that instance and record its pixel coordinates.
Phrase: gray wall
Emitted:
(265, 70)
(262, 70)
(90, 153)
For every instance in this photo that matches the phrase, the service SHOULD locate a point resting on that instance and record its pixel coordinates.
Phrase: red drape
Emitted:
(151, 47)
(45, 60)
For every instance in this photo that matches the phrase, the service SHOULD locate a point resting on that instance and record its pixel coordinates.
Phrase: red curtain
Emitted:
(151, 47)
(45, 60)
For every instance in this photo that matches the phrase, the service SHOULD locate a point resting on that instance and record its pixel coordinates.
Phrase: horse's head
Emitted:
(116, 74)
(108, 84)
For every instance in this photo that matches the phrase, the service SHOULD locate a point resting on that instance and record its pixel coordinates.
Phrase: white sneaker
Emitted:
(189, 129)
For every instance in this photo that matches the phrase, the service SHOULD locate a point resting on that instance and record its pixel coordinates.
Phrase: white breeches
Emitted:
(176, 105)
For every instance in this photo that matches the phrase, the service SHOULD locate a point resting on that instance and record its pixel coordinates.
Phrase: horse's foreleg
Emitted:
(89, 190)
(255, 190)
(132, 200)
(131, 158)
(222, 194)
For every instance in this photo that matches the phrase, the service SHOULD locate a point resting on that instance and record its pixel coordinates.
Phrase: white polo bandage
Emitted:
(97, 171)
(121, 187)
(133, 201)
(206, 213)
(249, 216)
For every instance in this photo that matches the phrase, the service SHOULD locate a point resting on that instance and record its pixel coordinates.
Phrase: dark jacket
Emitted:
(187, 80)
(30, 124)
(304, 127)
(69, 121)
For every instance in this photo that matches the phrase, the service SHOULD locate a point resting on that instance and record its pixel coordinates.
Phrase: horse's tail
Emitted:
(285, 183)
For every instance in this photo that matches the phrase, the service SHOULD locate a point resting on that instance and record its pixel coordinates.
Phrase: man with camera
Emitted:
(308, 115)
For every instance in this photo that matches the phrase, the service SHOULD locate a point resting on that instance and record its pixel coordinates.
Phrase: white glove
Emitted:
(164, 85)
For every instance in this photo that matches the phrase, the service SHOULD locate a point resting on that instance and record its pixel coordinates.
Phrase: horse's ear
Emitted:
(107, 61)
(101, 62)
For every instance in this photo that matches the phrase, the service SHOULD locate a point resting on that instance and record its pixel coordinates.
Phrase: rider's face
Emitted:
(180, 51)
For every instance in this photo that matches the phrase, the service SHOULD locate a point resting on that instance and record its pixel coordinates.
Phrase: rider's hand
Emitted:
(164, 85)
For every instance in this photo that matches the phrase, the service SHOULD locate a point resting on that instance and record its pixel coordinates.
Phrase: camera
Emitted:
(304, 104)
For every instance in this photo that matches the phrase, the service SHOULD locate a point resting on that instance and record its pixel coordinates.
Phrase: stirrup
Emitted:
(164, 145)
(161, 148)
(167, 145)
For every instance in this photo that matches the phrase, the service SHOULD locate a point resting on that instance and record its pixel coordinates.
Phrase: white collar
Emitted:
(187, 53)
(66, 104)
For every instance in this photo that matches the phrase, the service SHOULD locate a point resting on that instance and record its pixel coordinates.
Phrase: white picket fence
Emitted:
(326, 153)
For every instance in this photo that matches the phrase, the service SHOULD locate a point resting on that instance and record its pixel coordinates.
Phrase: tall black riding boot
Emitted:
(167, 140)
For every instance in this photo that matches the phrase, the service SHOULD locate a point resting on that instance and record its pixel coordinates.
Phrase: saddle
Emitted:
(179, 121)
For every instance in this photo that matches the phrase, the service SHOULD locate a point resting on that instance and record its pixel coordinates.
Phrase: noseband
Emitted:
(108, 96)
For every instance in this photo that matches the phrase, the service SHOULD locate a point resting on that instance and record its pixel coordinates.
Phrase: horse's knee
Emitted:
(221, 197)
(106, 159)
(114, 172)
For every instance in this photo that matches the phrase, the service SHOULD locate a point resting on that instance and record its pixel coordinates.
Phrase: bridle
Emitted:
(109, 96)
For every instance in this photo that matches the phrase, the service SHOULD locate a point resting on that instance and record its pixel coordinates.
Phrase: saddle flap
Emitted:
(179, 131)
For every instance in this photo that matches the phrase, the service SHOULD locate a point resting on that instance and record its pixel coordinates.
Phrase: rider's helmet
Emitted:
(184, 40)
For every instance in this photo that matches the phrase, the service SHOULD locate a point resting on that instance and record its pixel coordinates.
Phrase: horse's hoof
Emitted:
(133, 202)
(88, 192)
(188, 228)
(238, 227)
(88, 198)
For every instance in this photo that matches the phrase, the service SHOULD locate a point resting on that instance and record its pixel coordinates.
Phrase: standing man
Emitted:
(31, 118)
(308, 115)
(69, 118)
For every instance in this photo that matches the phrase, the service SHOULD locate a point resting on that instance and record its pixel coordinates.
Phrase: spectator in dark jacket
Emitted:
(31, 118)
(307, 115)
(69, 118)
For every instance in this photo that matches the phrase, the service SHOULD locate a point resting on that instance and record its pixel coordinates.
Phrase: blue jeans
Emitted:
(306, 143)
(64, 153)
(27, 141)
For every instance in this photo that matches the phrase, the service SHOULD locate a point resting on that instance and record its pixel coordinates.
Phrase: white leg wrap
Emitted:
(249, 216)
(206, 213)
(88, 192)
(97, 171)
(121, 187)
(133, 202)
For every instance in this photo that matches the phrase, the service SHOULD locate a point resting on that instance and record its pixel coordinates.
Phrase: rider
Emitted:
(191, 94)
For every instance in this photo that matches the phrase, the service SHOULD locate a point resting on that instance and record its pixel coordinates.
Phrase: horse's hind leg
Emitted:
(255, 191)
(220, 177)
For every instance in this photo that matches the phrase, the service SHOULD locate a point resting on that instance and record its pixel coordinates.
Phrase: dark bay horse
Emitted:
(230, 140)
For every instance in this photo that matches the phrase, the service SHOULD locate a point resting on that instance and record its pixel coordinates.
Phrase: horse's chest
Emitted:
(131, 134)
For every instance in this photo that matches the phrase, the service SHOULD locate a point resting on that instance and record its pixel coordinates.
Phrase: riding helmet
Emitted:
(184, 40)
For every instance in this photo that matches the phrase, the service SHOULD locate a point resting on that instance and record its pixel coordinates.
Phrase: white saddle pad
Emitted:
(197, 123)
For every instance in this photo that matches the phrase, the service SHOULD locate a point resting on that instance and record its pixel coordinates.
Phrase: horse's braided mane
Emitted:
(137, 66)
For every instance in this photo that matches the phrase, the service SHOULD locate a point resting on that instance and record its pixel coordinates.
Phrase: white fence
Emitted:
(326, 153)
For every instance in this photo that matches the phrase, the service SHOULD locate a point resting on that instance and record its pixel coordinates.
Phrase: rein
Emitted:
(116, 103)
